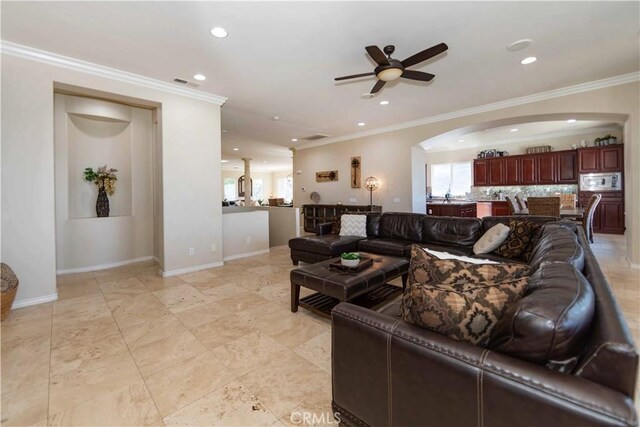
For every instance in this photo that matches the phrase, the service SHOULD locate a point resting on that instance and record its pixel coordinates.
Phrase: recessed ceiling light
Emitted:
(461, 140)
(276, 118)
(294, 139)
(361, 124)
(384, 102)
(219, 32)
(571, 121)
(514, 130)
(200, 77)
(235, 149)
(264, 161)
(224, 161)
(519, 45)
(529, 60)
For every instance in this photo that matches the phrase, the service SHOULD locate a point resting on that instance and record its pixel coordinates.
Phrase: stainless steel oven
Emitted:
(611, 181)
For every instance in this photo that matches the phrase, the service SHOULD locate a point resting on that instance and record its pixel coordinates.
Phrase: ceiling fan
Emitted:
(389, 69)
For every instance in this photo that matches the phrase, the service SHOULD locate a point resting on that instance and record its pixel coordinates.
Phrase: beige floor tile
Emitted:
(110, 275)
(179, 385)
(156, 282)
(77, 289)
(223, 331)
(243, 302)
(29, 369)
(15, 350)
(78, 353)
(210, 284)
(181, 298)
(156, 329)
(18, 325)
(81, 309)
(249, 352)
(281, 385)
(275, 292)
(161, 354)
(130, 405)
(202, 314)
(264, 269)
(225, 291)
(198, 276)
(231, 405)
(290, 329)
(122, 289)
(25, 405)
(143, 308)
(74, 278)
(93, 379)
(316, 410)
(82, 332)
(318, 351)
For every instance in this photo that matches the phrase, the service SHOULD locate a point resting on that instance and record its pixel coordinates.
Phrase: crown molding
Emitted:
(541, 137)
(541, 96)
(50, 58)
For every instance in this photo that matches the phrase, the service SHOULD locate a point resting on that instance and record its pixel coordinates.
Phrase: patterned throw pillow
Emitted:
(427, 269)
(353, 225)
(466, 312)
(521, 239)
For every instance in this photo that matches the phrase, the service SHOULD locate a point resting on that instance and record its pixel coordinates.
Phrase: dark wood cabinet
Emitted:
(589, 160)
(500, 208)
(529, 174)
(512, 171)
(319, 214)
(496, 171)
(467, 210)
(611, 158)
(546, 168)
(481, 172)
(609, 215)
(567, 167)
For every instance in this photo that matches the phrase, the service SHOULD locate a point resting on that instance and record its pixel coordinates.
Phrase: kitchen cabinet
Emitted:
(609, 158)
(609, 215)
(546, 168)
(512, 170)
(496, 171)
(529, 174)
(458, 209)
(481, 172)
(500, 208)
(567, 167)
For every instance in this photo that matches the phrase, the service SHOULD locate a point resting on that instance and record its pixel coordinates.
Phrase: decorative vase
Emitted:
(102, 204)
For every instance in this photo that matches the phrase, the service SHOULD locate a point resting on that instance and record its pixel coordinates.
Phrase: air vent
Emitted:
(185, 82)
(315, 137)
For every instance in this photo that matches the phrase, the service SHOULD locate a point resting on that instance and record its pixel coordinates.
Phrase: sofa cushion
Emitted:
(490, 240)
(382, 246)
(401, 226)
(490, 221)
(426, 268)
(452, 249)
(466, 312)
(353, 225)
(451, 231)
(329, 244)
(550, 324)
(557, 244)
(520, 241)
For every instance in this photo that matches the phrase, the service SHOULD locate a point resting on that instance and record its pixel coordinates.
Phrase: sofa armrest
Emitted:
(324, 228)
(387, 372)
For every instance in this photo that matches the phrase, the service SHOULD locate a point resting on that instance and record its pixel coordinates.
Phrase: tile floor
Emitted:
(219, 347)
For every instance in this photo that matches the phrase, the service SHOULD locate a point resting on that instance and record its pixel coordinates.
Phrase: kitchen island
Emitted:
(453, 208)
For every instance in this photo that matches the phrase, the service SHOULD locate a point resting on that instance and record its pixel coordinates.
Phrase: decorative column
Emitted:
(248, 188)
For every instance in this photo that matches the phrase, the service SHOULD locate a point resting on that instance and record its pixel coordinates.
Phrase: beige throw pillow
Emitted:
(492, 239)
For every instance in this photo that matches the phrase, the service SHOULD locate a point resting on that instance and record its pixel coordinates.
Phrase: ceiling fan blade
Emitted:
(354, 76)
(425, 54)
(378, 86)
(417, 75)
(376, 54)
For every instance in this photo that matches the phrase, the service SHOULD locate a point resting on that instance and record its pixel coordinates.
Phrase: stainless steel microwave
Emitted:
(611, 181)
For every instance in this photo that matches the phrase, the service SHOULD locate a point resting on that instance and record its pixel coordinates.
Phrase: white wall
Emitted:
(190, 127)
(90, 133)
(284, 224)
(245, 233)
(388, 155)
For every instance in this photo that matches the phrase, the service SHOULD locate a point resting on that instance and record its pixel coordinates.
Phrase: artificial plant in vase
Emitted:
(105, 178)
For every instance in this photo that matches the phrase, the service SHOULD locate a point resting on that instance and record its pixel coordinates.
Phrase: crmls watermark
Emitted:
(312, 419)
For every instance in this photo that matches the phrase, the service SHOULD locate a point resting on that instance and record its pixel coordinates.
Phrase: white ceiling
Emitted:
(502, 135)
(280, 58)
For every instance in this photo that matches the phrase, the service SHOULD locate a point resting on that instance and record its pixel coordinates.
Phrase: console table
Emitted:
(318, 214)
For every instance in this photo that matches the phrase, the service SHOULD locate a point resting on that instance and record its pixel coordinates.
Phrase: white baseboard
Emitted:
(104, 266)
(246, 255)
(632, 265)
(34, 301)
(193, 269)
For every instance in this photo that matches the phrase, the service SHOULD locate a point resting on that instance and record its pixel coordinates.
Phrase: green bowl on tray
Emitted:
(350, 259)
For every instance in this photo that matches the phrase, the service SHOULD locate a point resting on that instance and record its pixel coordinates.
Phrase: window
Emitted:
(451, 177)
(230, 189)
(284, 188)
(258, 189)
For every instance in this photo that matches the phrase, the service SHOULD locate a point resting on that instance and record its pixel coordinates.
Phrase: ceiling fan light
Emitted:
(390, 74)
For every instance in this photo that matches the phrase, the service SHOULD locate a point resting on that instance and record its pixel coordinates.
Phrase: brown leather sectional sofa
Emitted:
(390, 373)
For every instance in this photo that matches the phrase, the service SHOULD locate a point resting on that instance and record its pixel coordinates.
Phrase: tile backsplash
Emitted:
(487, 193)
